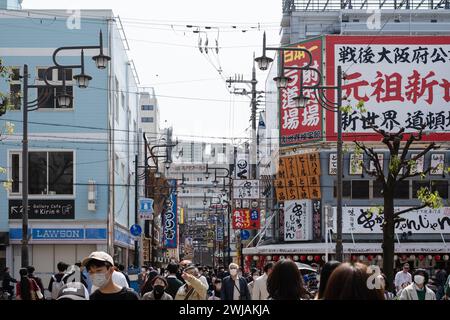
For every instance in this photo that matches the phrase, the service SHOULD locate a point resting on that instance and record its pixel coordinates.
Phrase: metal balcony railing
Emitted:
(330, 5)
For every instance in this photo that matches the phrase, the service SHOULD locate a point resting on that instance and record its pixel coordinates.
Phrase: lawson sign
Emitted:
(60, 234)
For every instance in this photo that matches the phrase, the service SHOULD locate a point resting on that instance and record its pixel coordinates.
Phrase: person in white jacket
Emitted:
(418, 290)
(259, 291)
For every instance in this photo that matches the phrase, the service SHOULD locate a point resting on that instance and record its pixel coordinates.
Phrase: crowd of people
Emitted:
(100, 278)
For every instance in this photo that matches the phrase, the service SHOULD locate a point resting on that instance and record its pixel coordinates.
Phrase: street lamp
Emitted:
(301, 102)
(64, 100)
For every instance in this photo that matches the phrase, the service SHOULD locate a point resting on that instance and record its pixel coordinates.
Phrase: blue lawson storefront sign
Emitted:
(60, 234)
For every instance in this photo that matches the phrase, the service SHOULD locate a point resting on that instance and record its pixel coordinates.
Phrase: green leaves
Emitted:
(431, 199)
(394, 164)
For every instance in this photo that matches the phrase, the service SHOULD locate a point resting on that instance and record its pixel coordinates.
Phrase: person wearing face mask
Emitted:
(159, 285)
(100, 266)
(217, 290)
(234, 287)
(418, 290)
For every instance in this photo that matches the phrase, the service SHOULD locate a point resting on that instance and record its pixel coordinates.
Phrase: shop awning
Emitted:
(361, 248)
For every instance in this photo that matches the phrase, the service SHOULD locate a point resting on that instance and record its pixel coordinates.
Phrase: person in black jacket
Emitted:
(6, 284)
(121, 268)
(233, 286)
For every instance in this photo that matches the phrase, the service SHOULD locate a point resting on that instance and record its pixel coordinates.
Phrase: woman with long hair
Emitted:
(325, 274)
(349, 281)
(26, 288)
(285, 282)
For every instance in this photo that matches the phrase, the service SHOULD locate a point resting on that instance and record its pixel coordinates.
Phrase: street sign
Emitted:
(136, 230)
(245, 235)
(146, 208)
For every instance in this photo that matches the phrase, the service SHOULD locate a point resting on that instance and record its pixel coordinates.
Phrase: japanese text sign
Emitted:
(300, 125)
(298, 220)
(404, 81)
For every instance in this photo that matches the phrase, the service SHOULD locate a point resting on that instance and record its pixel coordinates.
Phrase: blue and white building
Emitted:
(81, 170)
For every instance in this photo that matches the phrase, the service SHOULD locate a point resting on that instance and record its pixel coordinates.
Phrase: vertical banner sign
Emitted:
(242, 166)
(418, 165)
(280, 190)
(316, 215)
(298, 220)
(170, 219)
(404, 81)
(301, 125)
(281, 220)
(332, 164)
(246, 219)
(281, 170)
(380, 160)
(437, 163)
(355, 163)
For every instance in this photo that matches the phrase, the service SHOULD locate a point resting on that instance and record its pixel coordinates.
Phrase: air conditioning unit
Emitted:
(92, 195)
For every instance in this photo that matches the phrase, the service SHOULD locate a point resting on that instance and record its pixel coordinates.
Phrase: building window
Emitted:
(360, 189)
(15, 173)
(441, 186)
(346, 188)
(417, 184)
(122, 96)
(199, 179)
(15, 88)
(377, 189)
(147, 107)
(50, 173)
(52, 93)
(402, 190)
(147, 119)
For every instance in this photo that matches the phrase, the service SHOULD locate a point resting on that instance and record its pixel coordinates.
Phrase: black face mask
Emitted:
(159, 290)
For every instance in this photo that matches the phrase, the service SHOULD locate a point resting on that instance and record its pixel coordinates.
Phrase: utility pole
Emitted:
(253, 152)
(252, 82)
(136, 246)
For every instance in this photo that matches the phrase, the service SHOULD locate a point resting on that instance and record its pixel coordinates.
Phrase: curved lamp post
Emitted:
(64, 100)
(301, 102)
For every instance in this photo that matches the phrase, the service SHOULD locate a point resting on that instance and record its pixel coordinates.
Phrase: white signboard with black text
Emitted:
(246, 189)
(418, 164)
(298, 220)
(332, 164)
(426, 220)
(242, 167)
(437, 162)
(372, 167)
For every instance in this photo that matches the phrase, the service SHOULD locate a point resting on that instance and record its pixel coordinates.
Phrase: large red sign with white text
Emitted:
(301, 125)
(404, 82)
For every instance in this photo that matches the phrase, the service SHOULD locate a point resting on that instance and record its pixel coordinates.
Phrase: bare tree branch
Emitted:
(397, 214)
(373, 156)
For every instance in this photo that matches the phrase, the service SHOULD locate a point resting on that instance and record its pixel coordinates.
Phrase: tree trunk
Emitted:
(388, 239)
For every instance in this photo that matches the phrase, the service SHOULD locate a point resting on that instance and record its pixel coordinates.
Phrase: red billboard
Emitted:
(404, 82)
(301, 125)
(246, 219)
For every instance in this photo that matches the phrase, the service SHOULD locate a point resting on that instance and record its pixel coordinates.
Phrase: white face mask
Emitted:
(418, 279)
(99, 279)
(233, 272)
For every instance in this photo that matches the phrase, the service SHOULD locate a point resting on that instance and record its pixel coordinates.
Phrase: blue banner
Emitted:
(60, 234)
(170, 235)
